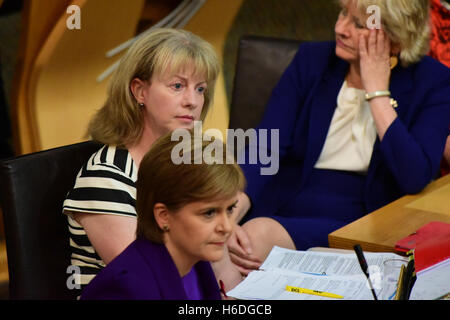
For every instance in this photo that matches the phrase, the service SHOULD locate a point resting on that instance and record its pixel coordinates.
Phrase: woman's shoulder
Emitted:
(430, 68)
(112, 159)
(313, 59)
(315, 56)
(125, 277)
(317, 50)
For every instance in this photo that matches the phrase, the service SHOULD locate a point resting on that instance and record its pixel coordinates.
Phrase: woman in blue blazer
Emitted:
(185, 217)
(362, 121)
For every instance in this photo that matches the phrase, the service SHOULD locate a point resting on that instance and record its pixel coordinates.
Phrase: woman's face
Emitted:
(172, 101)
(351, 24)
(199, 231)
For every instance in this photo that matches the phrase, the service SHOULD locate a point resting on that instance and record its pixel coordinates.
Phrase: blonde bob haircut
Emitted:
(407, 24)
(162, 50)
(160, 180)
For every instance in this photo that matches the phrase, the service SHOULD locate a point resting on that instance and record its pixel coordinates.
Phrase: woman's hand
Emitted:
(375, 61)
(240, 249)
(375, 72)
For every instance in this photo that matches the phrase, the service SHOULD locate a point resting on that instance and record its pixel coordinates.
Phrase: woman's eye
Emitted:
(201, 89)
(231, 209)
(177, 86)
(209, 213)
(358, 25)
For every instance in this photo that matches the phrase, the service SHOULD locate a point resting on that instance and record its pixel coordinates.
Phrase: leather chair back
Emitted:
(32, 190)
(260, 63)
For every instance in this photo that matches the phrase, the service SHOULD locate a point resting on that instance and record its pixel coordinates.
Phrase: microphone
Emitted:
(363, 263)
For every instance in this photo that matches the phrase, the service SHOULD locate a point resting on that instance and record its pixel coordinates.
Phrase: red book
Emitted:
(431, 243)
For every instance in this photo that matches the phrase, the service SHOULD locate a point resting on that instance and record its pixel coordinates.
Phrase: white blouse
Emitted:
(352, 134)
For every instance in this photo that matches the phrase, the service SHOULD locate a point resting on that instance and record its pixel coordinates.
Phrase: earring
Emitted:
(141, 105)
(165, 228)
(393, 61)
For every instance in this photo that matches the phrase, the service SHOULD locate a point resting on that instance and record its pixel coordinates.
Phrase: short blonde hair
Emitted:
(407, 24)
(120, 121)
(160, 180)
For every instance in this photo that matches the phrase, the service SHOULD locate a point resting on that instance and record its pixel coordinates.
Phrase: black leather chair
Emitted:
(260, 64)
(32, 190)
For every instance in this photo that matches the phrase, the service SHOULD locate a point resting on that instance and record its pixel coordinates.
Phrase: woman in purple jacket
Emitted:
(185, 216)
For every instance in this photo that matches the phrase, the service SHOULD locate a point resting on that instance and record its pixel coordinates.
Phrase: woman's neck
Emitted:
(183, 263)
(353, 77)
(139, 148)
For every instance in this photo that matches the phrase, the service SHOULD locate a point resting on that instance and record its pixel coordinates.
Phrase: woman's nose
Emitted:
(190, 99)
(226, 223)
(341, 27)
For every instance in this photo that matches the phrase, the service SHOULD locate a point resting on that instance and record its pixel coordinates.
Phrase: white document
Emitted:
(328, 263)
(338, 273)
(269, 285)
(432, 283)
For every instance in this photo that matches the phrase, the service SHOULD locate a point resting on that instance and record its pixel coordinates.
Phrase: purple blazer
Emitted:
(146, 271)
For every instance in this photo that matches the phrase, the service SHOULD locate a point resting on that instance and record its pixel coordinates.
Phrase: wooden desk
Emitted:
(381, 229)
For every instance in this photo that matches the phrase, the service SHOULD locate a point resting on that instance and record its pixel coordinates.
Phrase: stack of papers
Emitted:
(432, 283)
(337, 273)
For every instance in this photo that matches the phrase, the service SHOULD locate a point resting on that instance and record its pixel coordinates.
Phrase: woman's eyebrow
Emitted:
(185, 78)
(233, 204)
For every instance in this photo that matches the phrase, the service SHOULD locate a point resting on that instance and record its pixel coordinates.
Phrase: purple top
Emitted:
(146, 271)
(191, 286)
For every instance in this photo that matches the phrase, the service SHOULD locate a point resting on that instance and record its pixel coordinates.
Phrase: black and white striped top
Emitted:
(106, 184)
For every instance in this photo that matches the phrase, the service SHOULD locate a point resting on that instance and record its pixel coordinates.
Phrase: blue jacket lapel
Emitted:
(324, 102)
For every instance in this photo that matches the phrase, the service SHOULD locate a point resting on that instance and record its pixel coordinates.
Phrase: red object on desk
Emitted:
(431, 244)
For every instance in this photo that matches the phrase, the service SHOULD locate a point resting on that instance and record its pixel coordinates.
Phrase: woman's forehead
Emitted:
(186, 70)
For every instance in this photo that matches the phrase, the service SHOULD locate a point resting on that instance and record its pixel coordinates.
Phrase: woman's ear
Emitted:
(395, 49)
(137, 87)
(162, 215)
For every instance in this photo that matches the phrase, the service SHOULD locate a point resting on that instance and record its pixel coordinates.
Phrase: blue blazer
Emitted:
(302, 106)
(146, 271)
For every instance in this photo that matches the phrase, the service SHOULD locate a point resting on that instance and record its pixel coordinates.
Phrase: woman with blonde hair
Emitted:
(164, 81)
(185, 216)
(362, 121)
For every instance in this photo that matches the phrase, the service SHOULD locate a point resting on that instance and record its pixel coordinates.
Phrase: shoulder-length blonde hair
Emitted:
(407, 24)
(160, 180)
(120, 121)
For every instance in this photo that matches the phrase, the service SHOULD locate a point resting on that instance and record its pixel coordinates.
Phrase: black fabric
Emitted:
(32, 191)
(260, 64)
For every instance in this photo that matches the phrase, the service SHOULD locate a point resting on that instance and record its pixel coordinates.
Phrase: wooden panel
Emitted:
(66, 93)
(380, 230)
(38, 19)
(4, 277)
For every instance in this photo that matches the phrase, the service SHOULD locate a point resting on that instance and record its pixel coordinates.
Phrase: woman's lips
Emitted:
(186, 118)
(342, 45)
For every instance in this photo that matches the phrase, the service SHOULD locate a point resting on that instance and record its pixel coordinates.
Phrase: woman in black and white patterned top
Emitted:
(165, 81)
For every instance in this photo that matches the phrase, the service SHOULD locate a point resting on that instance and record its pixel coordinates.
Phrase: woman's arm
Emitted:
(108, 234)
(411, 153)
